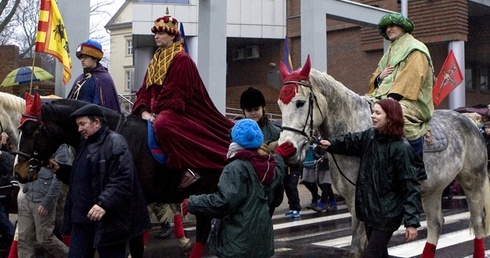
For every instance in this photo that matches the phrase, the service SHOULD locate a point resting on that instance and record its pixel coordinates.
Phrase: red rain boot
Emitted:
(429, 250)
(479, 248)
(13, 249)
(197, 251)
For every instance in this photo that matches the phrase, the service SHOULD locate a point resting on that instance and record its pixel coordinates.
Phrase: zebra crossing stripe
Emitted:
(345, 241)
(302, 222)
(410, 249)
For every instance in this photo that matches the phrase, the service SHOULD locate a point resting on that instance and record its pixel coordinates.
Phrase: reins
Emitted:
(312, 99)
(33, 159)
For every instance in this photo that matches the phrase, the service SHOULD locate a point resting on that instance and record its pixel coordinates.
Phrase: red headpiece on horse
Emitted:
(289, 90)
(33, 108)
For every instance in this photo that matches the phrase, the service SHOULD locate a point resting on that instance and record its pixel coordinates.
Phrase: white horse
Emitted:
(312, 100)
(11, 109)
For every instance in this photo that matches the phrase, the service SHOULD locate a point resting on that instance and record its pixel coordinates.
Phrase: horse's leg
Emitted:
(203, 227)
(359, 238)
(431, 203)
(478, 198)
(184, 242)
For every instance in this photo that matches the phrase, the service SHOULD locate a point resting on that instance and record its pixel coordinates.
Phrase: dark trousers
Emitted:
(327, 194)
(417, 146)
(6, 227)
(82, 240)
(377, 243)
(291, 180)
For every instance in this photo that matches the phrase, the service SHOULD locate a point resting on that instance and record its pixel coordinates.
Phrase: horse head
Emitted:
(37, 140)
(301, 114)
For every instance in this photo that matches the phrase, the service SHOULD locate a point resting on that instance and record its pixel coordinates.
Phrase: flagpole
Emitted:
(32, 72)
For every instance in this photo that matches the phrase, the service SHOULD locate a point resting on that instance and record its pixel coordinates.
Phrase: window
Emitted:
(468, 78)
(484, 79)
(128, 85)
(129, 47)
(477, 77)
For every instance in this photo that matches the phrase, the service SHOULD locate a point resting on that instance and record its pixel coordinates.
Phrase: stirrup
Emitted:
(189, 177)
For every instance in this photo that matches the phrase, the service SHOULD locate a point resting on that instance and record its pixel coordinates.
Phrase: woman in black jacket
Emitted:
(387, 191)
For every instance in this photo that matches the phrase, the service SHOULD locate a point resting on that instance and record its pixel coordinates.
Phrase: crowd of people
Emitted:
(105, 210)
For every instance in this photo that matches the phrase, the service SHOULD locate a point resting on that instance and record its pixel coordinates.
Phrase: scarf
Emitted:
(158, 67)
(264, 165)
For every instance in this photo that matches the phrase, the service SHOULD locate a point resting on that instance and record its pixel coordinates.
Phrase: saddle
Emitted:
(435, 138)
(154, 146)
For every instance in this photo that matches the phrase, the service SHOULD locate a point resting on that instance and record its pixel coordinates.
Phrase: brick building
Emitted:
(354, 50)
(10, 60)
(254, 50)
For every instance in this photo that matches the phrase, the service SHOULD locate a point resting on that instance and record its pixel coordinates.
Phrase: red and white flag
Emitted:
(449, 78)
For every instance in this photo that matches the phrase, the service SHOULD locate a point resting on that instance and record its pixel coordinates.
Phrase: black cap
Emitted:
(88, 110)
(252, 98)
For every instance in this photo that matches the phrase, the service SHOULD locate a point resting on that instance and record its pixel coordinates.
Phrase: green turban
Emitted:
(394, 19)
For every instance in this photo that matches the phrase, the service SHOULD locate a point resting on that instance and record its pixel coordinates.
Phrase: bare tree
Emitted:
(7, 11)
(18, 26)
(26, 19)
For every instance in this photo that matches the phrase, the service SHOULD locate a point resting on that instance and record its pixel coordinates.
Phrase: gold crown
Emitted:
(167, 24)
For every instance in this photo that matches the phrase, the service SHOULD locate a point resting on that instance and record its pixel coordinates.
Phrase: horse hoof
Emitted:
(185, 244)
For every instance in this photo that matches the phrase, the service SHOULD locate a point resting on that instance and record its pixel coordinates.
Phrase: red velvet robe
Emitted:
(189, 128)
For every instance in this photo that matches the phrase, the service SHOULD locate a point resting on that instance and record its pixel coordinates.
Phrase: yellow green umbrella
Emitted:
(23, 75)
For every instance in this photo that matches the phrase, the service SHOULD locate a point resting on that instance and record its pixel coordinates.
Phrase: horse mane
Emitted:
(340, 101)
(11, 102)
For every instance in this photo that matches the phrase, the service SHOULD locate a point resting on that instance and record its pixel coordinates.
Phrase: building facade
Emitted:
(353, 50)
(255, 31)
(255, 42)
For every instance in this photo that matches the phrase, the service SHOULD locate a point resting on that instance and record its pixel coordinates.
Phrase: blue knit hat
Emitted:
(247, 134)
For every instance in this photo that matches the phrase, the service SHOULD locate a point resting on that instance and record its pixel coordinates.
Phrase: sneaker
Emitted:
(320, 207)
(292, 213)
(165, 232)
(312, 205)
(332, 207)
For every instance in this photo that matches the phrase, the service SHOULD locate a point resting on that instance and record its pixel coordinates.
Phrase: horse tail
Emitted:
(486, 206)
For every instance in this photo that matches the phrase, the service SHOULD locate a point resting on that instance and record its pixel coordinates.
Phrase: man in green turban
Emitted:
(406, 73)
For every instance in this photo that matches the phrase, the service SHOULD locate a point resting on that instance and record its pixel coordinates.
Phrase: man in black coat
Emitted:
(105, 206)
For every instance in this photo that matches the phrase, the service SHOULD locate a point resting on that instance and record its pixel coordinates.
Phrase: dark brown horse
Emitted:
(41, 136)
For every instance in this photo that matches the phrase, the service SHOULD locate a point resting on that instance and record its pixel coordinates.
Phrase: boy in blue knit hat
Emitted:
(241, 199)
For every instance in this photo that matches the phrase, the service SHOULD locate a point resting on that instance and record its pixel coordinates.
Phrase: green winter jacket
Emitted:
(270, 132)
(387, 191)
(240, 203)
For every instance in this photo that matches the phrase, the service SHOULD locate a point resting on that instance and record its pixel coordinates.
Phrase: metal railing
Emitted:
(127, 101)
(238, 113)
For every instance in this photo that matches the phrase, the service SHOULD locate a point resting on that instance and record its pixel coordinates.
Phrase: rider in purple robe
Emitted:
(95, 84)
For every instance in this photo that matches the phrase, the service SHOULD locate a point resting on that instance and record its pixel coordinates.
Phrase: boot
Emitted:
(418, 164)
(189, 177)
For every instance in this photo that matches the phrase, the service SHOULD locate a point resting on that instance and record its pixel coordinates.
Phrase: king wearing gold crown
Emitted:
(188, 126)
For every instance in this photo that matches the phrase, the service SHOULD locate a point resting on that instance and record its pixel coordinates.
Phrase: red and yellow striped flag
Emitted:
(51, 36)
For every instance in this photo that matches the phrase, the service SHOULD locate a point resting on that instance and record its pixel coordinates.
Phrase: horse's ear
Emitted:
(33, 105)
(305, 71)
(284, 70)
